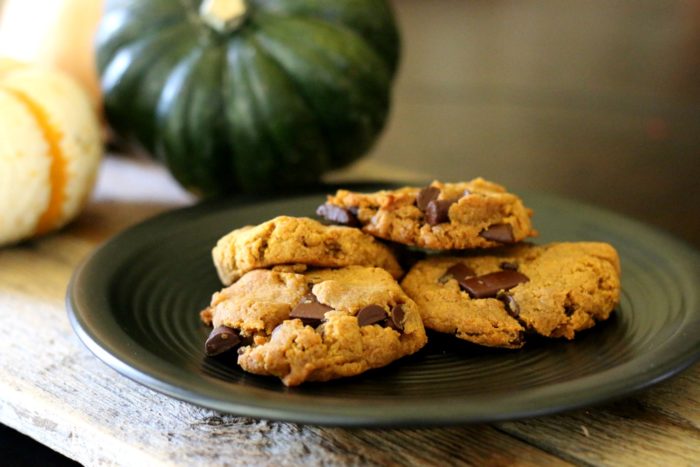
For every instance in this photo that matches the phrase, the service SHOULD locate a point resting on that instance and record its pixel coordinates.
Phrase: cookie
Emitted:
(474, 214)
(319, 325)
(292, 241)
(494, 299)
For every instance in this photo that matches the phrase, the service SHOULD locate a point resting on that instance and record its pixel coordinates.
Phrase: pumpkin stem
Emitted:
(224, 16)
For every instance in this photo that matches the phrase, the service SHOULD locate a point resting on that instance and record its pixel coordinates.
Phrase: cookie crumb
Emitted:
(585, 432)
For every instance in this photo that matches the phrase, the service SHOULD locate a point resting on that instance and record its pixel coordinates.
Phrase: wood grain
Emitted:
(594, 100)
(54, 390)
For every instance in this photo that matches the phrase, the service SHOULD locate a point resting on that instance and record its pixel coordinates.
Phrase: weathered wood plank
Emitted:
(658, 427)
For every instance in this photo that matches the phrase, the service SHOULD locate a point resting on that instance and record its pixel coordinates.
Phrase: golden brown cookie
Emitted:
(554, 290)
(474, 214)
(316, 326)
(289, 241)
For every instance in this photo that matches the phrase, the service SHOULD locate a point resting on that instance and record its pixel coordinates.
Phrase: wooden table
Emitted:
(53, 389)
(595, 100)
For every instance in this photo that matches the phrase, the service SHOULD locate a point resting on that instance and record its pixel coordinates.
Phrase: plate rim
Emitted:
(330, 416)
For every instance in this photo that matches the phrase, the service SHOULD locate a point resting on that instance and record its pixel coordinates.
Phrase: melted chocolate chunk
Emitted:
(499, 233)
(437, 211)
(508, 300)
(460, 271)
(371, 314)
(505, 265)
(425, 196)
(395, 321)
(337, 215)
(309, 311)
(220, 340)
(488, 285)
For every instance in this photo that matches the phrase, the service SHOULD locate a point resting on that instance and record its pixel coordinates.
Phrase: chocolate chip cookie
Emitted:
(285, 241)
(494, 299)
(315, 326)
(474, 214)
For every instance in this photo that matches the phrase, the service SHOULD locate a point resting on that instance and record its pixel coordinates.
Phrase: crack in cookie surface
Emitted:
(569, 287)
(319, 325)
(474, 214)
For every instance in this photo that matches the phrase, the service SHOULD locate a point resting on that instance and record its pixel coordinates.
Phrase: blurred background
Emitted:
(596, 100)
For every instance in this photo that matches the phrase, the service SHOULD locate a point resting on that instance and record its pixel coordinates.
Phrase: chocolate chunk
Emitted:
(371, 314)
(499, 233)
(337, 214)
(569, 310)
(437, 211)
(460, 271)
(309, 311)
(246, 340)
(425, 196)
(488, 285)
(508, 300)
(220, 340)
(509, 266)
(395, 321)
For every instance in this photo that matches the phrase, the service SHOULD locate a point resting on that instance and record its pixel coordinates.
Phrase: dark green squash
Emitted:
(264, 100)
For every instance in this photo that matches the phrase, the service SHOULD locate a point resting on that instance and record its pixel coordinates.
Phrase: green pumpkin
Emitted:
(248, 95)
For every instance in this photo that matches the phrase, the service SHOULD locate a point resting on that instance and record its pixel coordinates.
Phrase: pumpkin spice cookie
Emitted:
(292, 241)
(442, 216)
(316, 326)
(553, 290)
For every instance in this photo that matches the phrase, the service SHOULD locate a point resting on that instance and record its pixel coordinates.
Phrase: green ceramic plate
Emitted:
(135, 305)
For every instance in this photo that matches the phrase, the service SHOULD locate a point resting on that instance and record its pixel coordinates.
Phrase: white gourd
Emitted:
(50, 148)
